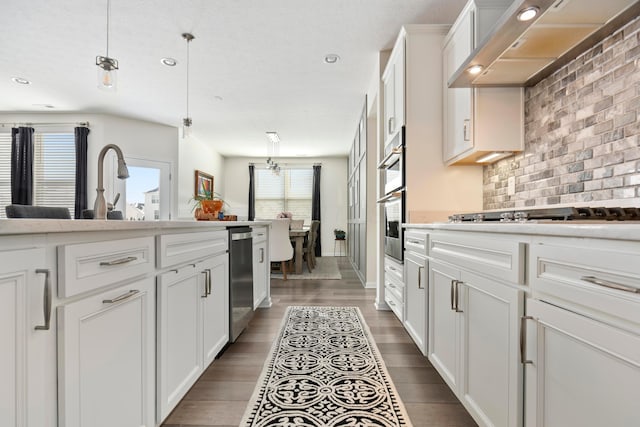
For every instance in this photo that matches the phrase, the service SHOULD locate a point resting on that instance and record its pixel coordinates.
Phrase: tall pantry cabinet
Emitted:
(412, 96)
(357, 201)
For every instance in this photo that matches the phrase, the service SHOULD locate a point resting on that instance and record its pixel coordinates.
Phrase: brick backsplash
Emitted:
(582, 133)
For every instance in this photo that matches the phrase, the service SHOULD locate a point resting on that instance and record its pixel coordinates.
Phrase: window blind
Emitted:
(291, 191)
(54, 174)
(5, 172)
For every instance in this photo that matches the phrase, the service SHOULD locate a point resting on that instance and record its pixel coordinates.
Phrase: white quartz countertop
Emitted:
(620, 230)
(41, 226)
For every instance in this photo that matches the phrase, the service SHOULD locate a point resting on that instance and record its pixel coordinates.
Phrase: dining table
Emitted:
(297, 237)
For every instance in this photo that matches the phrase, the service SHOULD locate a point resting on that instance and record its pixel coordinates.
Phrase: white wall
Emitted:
(333, 191)
(136, 139)
(194, 154)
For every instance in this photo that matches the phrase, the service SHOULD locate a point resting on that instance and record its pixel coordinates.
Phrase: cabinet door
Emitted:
(260, 273)
(106, 358)
(415, 285)
(491, 385)
(444, 322)
(389, 82)
(398, 92)
(583, 372)
(215, 312)
(180, 334)
(21, 388)
(457, 101)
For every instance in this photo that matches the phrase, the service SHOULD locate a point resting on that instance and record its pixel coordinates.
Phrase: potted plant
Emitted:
(207, 205)
(340, 234)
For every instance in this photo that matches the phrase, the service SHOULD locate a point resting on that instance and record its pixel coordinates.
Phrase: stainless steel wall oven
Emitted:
(393, 163)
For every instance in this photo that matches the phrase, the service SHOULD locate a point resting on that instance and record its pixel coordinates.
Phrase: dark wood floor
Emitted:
(220, 396)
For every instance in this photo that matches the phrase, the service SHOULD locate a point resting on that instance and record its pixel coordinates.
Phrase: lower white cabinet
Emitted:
(106, 358)
(193, 326)
(579, 372)
(474, 342)
(23, 392)
(260, 266)
(415, 307)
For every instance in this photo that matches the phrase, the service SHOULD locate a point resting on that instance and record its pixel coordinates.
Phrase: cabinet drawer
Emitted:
(180, 248)
(502, 258)
(601, 282)
(395, 304)
(394, 268)
(416, 241)
(397, 289)
(87, 266)
(258, 234)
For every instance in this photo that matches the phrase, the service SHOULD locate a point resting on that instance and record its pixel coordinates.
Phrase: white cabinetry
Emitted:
(260, 267)
(22, 391)
(484, 120)
(473, 324)
(416, 276)
(394, 294)
(106, 358)
(393, 87)
(583, 344)
(192, 319)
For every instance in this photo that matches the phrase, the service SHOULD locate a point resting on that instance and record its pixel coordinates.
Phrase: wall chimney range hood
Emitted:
(522, 53)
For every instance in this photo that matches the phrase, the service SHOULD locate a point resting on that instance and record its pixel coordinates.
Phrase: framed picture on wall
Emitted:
(204, 185)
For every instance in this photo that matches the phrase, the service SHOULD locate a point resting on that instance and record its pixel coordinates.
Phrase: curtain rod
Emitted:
(45, 124)
(288, 164)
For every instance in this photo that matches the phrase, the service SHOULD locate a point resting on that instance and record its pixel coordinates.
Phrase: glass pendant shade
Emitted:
(107, 73)
(186, 127)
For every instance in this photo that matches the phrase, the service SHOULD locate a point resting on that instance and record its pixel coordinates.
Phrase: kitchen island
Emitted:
(111, 322)
(529, 323)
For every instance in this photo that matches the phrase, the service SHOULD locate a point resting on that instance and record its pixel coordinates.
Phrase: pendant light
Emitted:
(107, 67)
(187, 122)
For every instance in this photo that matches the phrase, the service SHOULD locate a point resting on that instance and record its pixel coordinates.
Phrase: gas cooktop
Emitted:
(551, 214)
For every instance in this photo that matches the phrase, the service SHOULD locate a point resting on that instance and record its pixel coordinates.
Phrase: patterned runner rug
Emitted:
(324, 369)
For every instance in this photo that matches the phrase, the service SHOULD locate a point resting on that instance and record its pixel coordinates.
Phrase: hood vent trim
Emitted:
(508, 31)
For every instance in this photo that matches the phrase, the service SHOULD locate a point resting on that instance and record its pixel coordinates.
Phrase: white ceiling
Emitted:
(264, 58)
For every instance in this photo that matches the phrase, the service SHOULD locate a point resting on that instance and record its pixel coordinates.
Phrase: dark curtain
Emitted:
(252, 193)
(315, 206)
(81, 134)
(22, 166)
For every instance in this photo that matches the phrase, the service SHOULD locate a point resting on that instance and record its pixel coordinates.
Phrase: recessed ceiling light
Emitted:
(21, 80)
(527, 14)
(44, 105)
(475, 69)
(169, 62)
(218, 98)
(331, 58)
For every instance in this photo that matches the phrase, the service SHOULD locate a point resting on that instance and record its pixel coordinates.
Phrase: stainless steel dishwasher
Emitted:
(240, 280)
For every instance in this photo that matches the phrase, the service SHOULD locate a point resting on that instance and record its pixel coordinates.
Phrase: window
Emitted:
(147, 191)
(291, 191)
(54, 170)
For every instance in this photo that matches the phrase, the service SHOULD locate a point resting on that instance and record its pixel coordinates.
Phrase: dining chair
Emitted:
(280, 249)
(309, 250)
(30, 211)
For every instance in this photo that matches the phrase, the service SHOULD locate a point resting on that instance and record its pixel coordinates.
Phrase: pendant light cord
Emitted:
(188, 41)
(108, 13)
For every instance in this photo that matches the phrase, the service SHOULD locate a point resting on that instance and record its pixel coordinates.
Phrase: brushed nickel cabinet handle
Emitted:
(47, 299)
(206, 286)
(453, 294)
(465, 129)
(457, 296)
(261, 255)
(610, 285)
(119, 261)
(122, 297)
(420, 268)
(391, 126)
(391, 303)
(415, 242)
(208, 278)
(523, 340)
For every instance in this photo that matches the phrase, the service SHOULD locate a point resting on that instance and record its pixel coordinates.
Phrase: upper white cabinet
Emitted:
(480, 121)
(24, 326)
(393, 88)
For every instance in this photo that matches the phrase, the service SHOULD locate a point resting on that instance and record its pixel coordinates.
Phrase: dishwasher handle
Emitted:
(241, 236)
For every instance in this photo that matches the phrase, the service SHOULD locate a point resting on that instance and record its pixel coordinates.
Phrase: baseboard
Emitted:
(382, 305)
(370, 285)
